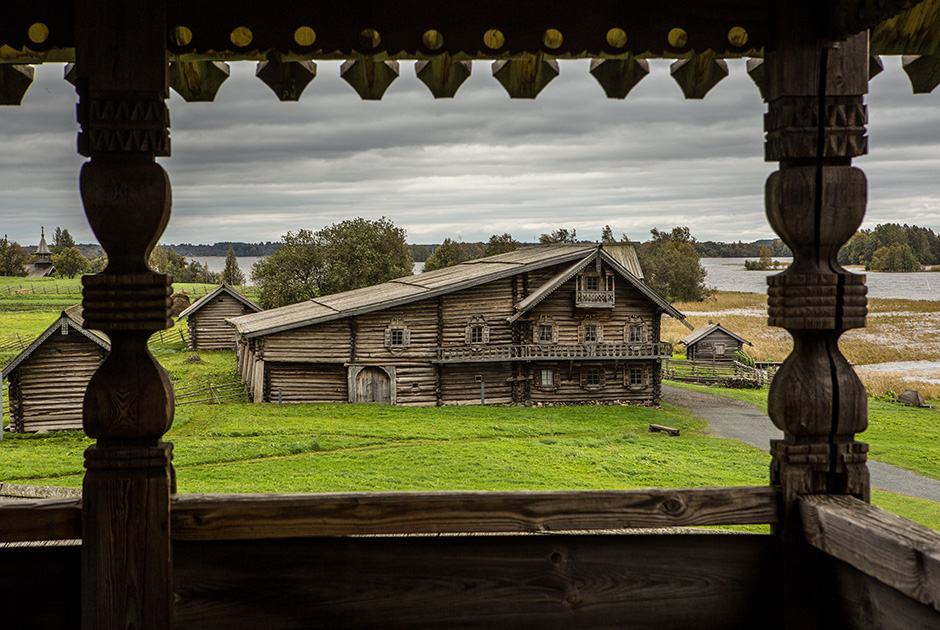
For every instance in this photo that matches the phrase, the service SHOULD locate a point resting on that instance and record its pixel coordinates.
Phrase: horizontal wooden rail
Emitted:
(889, 548)
(554, 352)
(40, 519)
(246, 516)
(243, 516)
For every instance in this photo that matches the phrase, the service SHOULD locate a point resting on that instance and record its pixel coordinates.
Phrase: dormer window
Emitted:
(594, 290)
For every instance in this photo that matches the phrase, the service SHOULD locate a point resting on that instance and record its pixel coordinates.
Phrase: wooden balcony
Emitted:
(594, 299)
(536, 352)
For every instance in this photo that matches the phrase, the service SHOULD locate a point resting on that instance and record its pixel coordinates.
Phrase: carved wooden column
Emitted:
(121, 65)
(815, 125)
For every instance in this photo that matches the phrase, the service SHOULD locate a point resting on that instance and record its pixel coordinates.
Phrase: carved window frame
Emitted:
(584, 326)
(636, 376)
(545, 320)
(593, 377)
(635, 322)
(478, 323)
(540, 383)
(397, 335)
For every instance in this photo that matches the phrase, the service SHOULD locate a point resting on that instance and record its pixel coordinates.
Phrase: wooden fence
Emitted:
(214, 394)
(713, 372)
(174, 335)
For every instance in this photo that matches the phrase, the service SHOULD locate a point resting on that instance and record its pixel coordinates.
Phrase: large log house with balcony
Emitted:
(554, 323)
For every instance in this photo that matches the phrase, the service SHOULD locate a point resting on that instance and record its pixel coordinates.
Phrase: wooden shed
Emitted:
(153, 559)
(48, 379)
(713, 342)
(555, 323)
(208, 329)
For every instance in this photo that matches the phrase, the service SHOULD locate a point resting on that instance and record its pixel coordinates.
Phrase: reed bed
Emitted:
(898, 331)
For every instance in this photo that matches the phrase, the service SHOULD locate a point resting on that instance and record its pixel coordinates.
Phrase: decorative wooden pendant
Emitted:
(755, 70)
(923, 71)
(369, 78)
(525, 77)
(198, 81)
(619, 76)
(699, 73)
(287, 79)
(15, 79)
(443, 75)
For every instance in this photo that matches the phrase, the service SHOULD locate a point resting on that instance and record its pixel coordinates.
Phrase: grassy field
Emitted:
(326, 448)
(898, 330)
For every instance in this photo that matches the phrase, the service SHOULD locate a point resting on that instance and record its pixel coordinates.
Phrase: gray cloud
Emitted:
(249, 168)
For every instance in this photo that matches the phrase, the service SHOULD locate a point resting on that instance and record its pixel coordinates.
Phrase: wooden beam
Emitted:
(243, 516)
(40, 519)
(628, 582)
(889, 548)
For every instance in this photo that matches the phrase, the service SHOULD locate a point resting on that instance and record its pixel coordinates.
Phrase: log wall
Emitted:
(47, 388)
(207, 327)
(305, 382)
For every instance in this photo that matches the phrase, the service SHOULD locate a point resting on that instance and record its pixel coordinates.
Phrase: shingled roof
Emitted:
(441, 281)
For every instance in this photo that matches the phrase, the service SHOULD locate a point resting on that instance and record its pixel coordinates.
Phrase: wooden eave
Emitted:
(222, 288)
(704, 331)
(70, 318)
(405, 290)
(344, 30)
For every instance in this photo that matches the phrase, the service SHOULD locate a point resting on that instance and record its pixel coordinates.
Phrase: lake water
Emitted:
(728, 274)
(725, 274)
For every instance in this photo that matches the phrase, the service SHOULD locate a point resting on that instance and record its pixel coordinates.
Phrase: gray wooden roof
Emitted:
(697, 335)
(71, 320)
(222, 288)
(426, 285)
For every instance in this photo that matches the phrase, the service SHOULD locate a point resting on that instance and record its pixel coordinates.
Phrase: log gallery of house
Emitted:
(556, 323)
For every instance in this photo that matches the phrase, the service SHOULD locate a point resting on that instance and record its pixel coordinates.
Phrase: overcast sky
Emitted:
(249, 168)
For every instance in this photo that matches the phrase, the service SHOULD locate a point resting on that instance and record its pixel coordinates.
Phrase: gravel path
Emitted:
(738, 420)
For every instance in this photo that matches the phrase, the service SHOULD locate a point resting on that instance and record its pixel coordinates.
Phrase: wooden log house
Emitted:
(555, 323)
(152, 559)
(206, 317)
(713, 342)
(48, 378)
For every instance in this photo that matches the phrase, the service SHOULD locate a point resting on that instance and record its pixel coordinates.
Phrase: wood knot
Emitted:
(673, 506)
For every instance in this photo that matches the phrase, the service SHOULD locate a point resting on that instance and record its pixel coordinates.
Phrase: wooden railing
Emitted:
(533, 352)
(594, 298)
(710, 372)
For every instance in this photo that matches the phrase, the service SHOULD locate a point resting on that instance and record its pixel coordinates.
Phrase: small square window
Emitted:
(636, 377)
(590, 333)
(476, 334)
(590, 283)
(397, 337)
(593, 377)
(548, 378)
(545, 332)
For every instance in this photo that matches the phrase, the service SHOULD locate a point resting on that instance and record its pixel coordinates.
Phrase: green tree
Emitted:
(69, 262)
(13, 258)
(897, 257)
(97, 265)
(61, 241)
(232, 275)
(561, 235)
(293, 273)
(501, 244)
(447, 254)
(360, 253)
(671, 266)
(159, 259)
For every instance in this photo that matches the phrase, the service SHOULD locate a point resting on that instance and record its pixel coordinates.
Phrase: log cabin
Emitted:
(712, 342)
(556, 323)
(48, 378)
(149, 558)
(206, 317)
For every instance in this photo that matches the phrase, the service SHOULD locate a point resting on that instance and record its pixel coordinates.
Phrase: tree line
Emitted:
(892, 247)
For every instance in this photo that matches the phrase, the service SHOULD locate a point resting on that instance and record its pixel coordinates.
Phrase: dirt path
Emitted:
(738, 420)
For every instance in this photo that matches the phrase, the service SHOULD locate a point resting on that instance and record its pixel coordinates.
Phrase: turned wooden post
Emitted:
(121, 67)
(815, 125)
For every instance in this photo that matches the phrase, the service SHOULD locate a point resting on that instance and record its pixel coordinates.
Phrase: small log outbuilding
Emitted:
(548, 324)
(713, 342)
(48, 378)
(208, 329)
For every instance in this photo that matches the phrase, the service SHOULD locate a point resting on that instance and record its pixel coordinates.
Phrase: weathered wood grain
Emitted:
(242, 516)
(898, 552)
(520, 582)
(40, 519)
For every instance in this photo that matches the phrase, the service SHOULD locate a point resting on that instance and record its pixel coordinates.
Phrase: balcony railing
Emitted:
(594, 299)
(536, 352)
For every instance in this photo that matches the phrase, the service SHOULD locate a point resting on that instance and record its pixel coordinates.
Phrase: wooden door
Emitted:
(373, 385)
